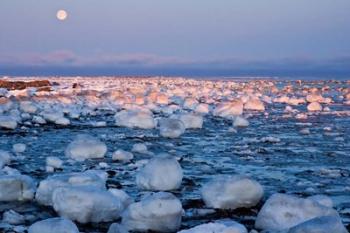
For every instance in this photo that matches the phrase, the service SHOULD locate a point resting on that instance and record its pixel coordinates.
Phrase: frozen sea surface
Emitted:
(297, 163)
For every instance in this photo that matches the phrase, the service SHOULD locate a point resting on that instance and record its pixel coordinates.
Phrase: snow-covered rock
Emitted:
(325, 224)
(157, 212)
(16, 187)
(223, 226)
(231, 192)
(240, 122)
(191, 121)
(171, 128)
(53, 225)
(86, 147)
(8, 122)
(162, 173)
(314, 106)
(229, 109)
(282, 211)
(86, 204)
(19, 147)
(122, 155)
(91, 178)
(135, 119)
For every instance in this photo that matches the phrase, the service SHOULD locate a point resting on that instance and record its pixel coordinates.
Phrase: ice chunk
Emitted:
(325, 224)
(171, 128)
(54, 162)
(123, 196)
(202, 108)
(161, 174)
(89, 178)
(8, 122)
(19, 147)
(254, 104)
(53, 225)
(134, 118)
(86, 204)
(86, 147)
(62, 121)
(191, 121)
(16, 187)
(229, 109)
(240, 122)
(28, 107)
(282, 211)
(226, 226)
(139, 148)
(13, 218)
(231, 192)
(122, 155)
(322, 200)
(5, 158)
(117, 228)
(314, 106)
(156, 212)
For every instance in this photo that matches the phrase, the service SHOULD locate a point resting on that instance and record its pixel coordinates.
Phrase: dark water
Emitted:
(318, 163)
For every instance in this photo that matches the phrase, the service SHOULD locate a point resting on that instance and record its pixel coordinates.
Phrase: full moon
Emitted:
(61, 15)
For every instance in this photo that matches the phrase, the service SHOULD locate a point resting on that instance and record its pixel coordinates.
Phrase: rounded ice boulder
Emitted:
(283, 211)
(162, 173)
(135, 119)
(8, 122)
(87, 204)
(53, 225)
(231, 192)
(156, 212)
(171, 128)
(86, 147)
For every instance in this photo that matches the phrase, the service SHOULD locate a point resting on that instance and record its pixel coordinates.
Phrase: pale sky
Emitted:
(190, 37)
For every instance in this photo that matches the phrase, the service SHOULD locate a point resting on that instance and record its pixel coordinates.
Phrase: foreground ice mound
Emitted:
(8, 122)
(86, 147)
(156, 212)
(171, 128)
(53, 225)
(16, 187)
(91, 178)
(325, 224)
(231, 192)
(229, 109)
(282, 211)
(160, 174)
(225, 226)
(135, 119)
(191, 121)
(86, 204)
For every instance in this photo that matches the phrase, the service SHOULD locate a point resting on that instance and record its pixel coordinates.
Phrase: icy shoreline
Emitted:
(290, 136)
